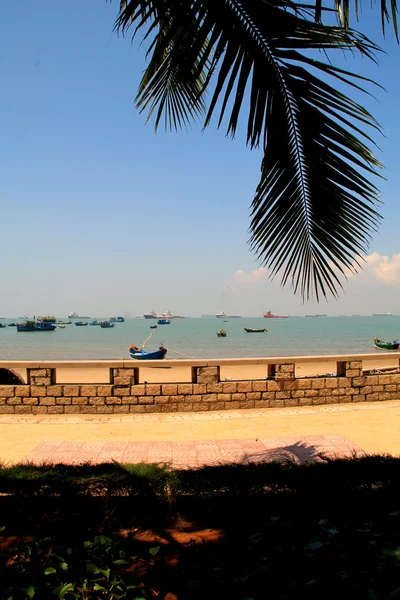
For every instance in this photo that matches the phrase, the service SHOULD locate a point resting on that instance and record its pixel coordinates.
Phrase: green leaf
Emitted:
(91, 568)
(105, 572)
(64, 566)
(2, 528)
(49, 571)
(154, 551)
(30, 591)
(101, 539)
(119, 562)
(99, 588)
(313, 547)
(64, 589)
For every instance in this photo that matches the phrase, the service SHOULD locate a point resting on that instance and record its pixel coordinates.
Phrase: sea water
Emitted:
(197, 338)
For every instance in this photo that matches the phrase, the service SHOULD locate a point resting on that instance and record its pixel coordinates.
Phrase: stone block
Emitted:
(383, 379)
(318, 384)
(254, 396)
(260, 386)
(276, 403)
(289, 402)
(331, 383)
(303, 384)
(87, 390)
(367, 389)
(39, 410)
(199, 388)
(81, 400)
(152, 408)
(55, 410)
(285, 368)
(168, 408)
(371, 380)
(104, 410)
(238, 397)
(21, 410)
(22, 390)
(7, 410)
(298, 394)
(305, 401)
(130, 399)
(185, 388)
(121, 409)
(244, 386)
(169, 389)
(97, 400)
(63, 401)
(121, 391)
(290, 385)
(161, 399)
(113, 400)
(122, 381)
(153, 389)
(234, 405)
(395, 378)
(229, 388)
(245, 404)
(343, 399)
(200, 406)
(207, 374)
(104, 390)
(354, 364)
(358, 381)
(268, 396)
(283, 395)
(214, 388)
(359, 398)
(6, 391)
(69, 410)
(319, 400)
(193, 398)
(210, 397)
(353, 373)
(30, 401)
(145, 399)
(311, 393)
(217, 406)
(344, 382)
(377, 388)
(38, 390)
(37, 372)
(186, 407)
(87, 410)
(179, 399)
(71, 390)
(42, 381)
(261, 403)
(137, 390)
(13, 401)
(53, 390)
(391, 387)
(224, 397)
(47, 401)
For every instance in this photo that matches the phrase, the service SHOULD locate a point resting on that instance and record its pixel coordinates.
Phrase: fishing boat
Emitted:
(12, 324)
(106, 324)
(81, 323)
(164, 322)
(221, 333)
(250, 330)
(381, 345)
(153, 326)
(119, 319)
(35, 326)
(61, 326)
(139, 353)
(269, 315)
(95, 322)
(46, 320)
(2, 325)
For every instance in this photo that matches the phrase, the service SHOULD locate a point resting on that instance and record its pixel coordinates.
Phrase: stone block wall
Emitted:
(206, 392)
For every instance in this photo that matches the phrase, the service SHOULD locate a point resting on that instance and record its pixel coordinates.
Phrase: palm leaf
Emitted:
(315, 207)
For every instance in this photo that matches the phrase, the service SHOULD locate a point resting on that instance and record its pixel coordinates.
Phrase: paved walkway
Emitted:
(194, 439)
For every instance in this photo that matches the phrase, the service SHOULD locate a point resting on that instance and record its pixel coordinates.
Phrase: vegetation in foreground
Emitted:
(277, 530)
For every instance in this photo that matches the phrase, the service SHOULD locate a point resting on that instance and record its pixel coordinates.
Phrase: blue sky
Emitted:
(101, 215)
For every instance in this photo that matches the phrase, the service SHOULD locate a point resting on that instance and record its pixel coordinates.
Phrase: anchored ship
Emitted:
(269, 315)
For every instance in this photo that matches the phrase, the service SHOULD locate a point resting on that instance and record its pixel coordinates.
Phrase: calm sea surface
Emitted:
(196, 338)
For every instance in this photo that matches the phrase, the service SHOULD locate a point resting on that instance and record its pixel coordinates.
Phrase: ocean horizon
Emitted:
(197, 338)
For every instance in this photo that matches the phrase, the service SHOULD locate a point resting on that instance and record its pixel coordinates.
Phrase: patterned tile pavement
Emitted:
(196, 439)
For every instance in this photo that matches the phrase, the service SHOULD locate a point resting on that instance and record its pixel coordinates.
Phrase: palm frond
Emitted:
(315, 207)
(388, 12)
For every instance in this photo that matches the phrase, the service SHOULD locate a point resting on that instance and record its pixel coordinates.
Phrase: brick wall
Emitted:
(124, 395)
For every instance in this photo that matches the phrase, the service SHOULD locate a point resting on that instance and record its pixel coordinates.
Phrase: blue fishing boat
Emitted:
(141, 354)
(164, 321)
(80, 323)
(35, 326)
(120, 320)
(106, 324)
(12, 324)
(2, 325)
(95, 322)
(137, 354)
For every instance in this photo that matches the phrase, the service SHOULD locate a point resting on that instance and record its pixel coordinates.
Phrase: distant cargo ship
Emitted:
(269, 315)
(222, 315)
(316, 315)
(165, 315)
(75, 315)
(382, 315)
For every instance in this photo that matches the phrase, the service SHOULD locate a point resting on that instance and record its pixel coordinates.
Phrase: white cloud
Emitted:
(260, 274)
(384, 268)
